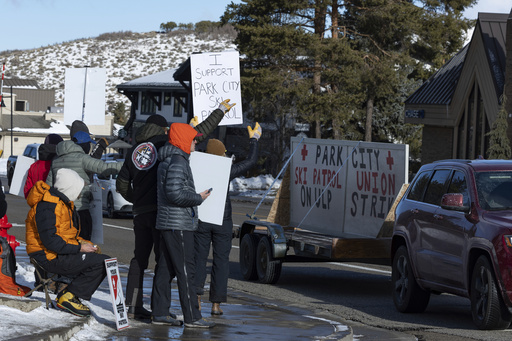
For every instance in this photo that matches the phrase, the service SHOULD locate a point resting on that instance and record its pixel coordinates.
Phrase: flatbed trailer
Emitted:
(266, 244)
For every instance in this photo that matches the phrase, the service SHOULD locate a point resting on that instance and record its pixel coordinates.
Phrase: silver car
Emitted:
(113, 203)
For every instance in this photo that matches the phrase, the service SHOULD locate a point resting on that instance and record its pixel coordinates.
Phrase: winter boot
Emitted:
(68, 301)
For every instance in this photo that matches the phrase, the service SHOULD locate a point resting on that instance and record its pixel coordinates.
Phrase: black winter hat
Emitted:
(77, 126)
(159, 120)
(53, 139)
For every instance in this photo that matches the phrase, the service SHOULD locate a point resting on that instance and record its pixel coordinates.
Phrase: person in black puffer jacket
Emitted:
(219, 236)
(177, 220)
(136, 182)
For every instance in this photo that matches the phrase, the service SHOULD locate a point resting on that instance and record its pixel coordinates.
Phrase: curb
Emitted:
(56, 334)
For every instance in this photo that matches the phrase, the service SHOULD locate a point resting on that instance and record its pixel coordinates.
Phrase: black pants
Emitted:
(86, 269)
(219, 236)
(176, 259)
(85, 224)
(146, 236)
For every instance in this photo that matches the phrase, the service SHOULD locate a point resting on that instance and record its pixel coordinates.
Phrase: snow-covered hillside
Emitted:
(124, 55)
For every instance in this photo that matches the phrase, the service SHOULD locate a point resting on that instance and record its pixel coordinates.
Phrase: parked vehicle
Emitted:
(453, 234)
(332, 206)
(30, 151)
(113, 203)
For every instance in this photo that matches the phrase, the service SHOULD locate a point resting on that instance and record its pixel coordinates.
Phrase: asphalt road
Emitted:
(357, 293)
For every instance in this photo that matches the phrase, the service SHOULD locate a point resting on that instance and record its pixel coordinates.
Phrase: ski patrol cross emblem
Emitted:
(144, 156)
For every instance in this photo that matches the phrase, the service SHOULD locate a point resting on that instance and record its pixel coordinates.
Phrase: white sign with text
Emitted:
(116, 293)
(211, 171)
(345, 188)
(215, 77)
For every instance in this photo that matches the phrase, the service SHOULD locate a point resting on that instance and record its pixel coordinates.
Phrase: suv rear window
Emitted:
(494, 190)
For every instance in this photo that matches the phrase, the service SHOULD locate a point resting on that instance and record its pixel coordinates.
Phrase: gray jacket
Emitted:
(177, 197)
(72, 156)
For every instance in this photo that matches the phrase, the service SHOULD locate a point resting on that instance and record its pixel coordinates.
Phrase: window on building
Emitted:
(149, 103)
(179, 108)
(167, 98)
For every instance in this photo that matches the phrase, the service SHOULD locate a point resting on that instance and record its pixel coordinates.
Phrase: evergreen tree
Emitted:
(338, 60)
(499, 144)
(120, 113)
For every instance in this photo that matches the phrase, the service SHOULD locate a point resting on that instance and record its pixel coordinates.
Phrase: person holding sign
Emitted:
(177, 220)
(219, 236)
(52, 228)
(136, 182)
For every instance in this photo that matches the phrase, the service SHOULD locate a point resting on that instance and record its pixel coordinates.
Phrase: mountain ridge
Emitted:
(124, 55)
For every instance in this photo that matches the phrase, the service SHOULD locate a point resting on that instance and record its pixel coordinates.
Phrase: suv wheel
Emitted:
(487, 308)
(407, 294)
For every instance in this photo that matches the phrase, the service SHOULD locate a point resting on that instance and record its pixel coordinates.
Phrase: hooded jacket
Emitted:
(177, 197)
(52, 224)
(39, 170)
(136, 181)
(70, 155)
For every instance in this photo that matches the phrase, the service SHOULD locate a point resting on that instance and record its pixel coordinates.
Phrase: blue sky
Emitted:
(28, 24)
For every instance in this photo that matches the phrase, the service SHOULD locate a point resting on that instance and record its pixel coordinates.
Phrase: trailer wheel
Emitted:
(247, 260)
(269, 269)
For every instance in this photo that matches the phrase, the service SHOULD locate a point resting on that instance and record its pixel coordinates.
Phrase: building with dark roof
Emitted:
(28, 95)
(459, 103)
(158, 94)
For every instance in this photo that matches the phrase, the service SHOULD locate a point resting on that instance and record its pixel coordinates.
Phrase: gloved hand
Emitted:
(103, 142)
(225, 106)
(194, 121)
(256, 132)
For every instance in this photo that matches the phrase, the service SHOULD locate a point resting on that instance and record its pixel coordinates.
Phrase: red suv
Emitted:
(453, 234)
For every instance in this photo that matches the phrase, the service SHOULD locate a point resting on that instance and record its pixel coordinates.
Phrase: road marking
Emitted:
(361, 268)
(119, 227)
(114, 226)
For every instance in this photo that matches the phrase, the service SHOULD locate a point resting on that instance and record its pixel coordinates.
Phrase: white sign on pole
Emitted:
(215, 77)
(116, 293)
(84, 95)
(96, 211)
(211, 171)
(19, 178)
(345, 188)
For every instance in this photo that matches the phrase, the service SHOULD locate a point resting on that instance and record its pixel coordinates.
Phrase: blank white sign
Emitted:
(211, 171)
(84, 95)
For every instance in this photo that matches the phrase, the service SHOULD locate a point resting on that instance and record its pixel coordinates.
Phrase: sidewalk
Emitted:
(245, 318)
(27, 318)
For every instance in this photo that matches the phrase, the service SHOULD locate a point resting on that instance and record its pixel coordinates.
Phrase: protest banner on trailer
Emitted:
(211, 171)
(215, 77)
(116, 293)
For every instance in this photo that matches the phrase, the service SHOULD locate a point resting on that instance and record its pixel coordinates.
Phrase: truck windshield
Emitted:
(494, 190)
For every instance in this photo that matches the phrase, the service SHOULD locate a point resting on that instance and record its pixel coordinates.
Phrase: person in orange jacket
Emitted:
(52, 236)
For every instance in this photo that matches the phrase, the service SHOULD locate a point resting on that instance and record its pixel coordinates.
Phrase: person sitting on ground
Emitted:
(39, 169)
(52, 236)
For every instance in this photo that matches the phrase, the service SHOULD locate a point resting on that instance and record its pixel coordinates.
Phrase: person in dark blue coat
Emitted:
(219, 236)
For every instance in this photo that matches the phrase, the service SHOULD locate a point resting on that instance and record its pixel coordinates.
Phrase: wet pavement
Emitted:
(245, 318)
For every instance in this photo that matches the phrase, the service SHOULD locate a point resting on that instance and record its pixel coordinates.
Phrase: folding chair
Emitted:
(45, 280)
